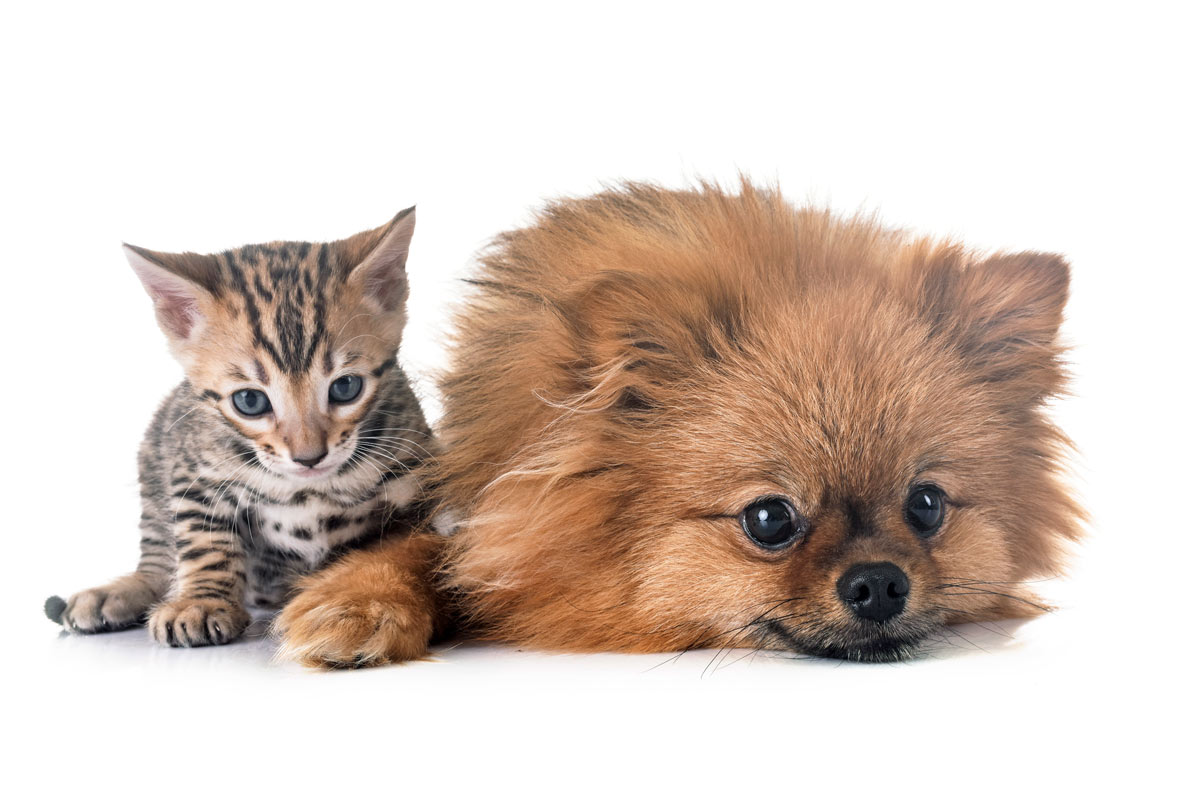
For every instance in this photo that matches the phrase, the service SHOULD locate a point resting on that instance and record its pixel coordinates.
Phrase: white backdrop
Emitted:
(202, 126)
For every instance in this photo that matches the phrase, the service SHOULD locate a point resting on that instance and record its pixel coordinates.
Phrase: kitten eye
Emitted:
(772, 522)
(345, 389)
(251, 403)
(925, 510)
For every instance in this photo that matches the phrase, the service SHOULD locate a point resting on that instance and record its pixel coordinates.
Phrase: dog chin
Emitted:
(878, 648)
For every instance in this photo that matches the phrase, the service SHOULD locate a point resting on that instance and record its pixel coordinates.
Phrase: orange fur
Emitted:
(375, 606)
(637, 366)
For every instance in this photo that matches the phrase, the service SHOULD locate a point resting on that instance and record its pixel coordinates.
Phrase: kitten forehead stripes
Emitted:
(283, 291)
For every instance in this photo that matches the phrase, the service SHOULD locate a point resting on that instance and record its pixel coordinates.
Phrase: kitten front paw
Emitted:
(189, 623)
(335, 625)
(118, 605)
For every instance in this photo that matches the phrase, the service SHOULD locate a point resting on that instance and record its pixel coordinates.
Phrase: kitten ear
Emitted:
(176, 299)
(1004, 313)
(381, 269)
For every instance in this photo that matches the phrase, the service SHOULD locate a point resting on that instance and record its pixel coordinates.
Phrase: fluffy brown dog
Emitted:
(687, 419)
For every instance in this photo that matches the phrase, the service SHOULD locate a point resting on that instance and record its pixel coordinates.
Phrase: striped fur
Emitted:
(234, 509)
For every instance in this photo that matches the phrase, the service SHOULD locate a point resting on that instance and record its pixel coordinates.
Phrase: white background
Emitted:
(205, 126)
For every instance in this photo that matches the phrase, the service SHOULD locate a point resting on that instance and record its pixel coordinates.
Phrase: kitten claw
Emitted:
(188, 623)
(118, 605)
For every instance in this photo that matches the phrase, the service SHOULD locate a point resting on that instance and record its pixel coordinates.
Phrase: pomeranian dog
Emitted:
(685, 419)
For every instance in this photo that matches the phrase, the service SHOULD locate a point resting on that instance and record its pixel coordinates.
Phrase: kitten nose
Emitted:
(311, 461)
(874, 591)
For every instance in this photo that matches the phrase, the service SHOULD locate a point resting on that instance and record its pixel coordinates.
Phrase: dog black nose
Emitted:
(874, 591)
(310, 462)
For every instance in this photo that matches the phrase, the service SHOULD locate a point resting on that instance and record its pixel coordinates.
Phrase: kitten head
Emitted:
(755, 426)
(288, 341)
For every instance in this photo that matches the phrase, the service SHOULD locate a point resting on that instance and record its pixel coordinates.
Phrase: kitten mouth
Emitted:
(309, 474)
(827, 644)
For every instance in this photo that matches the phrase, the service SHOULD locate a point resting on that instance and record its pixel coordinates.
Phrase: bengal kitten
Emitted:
(292, 439)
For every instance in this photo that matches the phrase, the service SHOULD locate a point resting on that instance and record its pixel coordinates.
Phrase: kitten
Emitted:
(292, 439)
(681, 419)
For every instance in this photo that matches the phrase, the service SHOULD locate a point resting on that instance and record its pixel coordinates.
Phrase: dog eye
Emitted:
(251, 403)
(925, 510)
(772, 522)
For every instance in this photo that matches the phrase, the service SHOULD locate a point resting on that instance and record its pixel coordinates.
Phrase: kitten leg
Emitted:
(210, 578)
(372, 607)
(120, 604)
(125, 601)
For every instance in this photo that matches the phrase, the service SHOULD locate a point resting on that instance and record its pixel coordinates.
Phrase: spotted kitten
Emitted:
(292, 439)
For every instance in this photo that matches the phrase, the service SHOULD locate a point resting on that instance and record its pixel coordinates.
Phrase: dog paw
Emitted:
(118, 605)
(189, 623)
(332, 627)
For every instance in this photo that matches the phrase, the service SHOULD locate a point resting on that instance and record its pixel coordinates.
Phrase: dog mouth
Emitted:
(894, 644)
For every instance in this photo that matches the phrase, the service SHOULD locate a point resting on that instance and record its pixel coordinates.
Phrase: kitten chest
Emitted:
(310, 530)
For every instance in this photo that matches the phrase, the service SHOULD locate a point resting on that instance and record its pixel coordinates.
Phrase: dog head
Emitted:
(736, 423)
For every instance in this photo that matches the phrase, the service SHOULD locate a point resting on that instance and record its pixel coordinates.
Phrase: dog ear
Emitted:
(1003, 314)
(633, 338)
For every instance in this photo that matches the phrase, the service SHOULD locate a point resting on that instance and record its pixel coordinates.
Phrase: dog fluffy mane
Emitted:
(580, 342)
